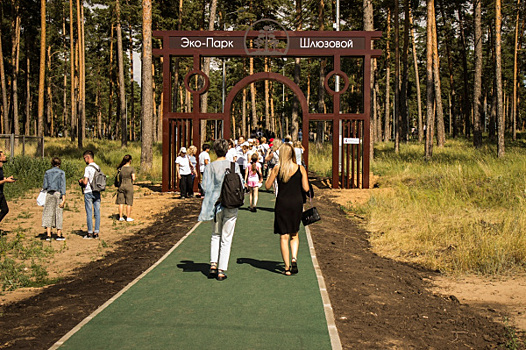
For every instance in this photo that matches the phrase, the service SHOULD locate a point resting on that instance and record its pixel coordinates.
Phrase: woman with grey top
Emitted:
(55, 185)
(223, 219)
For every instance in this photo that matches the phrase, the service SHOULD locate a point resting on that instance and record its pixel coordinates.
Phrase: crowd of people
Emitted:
(275, 163)
(281, 164)
(54, 188)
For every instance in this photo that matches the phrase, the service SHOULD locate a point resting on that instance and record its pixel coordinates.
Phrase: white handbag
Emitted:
(41, 199)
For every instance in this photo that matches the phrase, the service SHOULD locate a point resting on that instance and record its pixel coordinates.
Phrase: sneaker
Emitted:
(96, 236)
(48, 239)
(129, 219)
(121, 219)
(88, 236)
(60, 238)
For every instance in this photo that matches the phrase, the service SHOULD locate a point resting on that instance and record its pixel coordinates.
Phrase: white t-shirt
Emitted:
(89, 172)
(202, 157)
(299, 154)
(184, 165)
(231, 155)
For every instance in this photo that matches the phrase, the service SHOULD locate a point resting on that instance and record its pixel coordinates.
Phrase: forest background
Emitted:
(67, 68)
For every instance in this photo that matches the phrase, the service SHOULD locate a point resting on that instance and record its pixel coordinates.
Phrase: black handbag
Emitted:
(310, 216)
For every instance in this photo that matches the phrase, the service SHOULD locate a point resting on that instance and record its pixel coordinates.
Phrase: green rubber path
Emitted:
(175, 306)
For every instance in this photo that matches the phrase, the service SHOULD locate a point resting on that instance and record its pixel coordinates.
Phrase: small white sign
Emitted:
(351, 141)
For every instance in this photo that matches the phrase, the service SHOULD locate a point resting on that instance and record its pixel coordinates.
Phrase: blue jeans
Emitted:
(92, 204)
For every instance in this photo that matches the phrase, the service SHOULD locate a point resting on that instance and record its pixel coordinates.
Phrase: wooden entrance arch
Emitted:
(350, 169)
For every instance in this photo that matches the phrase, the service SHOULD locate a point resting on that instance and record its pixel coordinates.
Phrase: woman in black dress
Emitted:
(292, 180)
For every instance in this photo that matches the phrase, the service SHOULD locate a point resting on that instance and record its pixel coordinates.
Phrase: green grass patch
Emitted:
(30, 169)
(23, 262)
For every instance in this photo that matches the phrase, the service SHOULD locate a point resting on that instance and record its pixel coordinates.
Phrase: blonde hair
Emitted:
(192, 150)
(297, 144)
(287, 162)
(276, 144)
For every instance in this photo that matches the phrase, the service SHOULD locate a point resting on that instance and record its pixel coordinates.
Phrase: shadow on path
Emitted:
(272, 266)
(191, 266)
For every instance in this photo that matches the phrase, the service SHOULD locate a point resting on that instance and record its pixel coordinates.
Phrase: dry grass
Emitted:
(464, 211)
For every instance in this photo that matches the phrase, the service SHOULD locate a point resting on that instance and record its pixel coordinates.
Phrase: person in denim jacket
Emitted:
(223, 219)
(55, 185)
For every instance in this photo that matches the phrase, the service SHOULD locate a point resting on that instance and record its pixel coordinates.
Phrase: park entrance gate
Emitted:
(350, 131)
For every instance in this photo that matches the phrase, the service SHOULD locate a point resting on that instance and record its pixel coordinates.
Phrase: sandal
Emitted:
(212, 273)
(221, 276)
(287, 272)
(294, 267)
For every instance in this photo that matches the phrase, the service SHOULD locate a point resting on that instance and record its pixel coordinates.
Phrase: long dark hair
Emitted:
(127, 158)
(254, 161)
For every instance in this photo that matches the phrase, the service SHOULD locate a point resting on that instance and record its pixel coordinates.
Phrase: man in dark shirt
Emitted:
(4, 209)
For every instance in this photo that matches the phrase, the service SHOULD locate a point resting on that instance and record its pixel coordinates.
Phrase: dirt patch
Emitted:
(383, 304)
(378, 303)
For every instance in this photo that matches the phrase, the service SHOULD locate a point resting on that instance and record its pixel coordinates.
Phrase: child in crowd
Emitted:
(253, 179)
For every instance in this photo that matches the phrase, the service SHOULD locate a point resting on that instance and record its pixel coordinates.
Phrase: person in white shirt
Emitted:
(91, 198)
(204, 160)
(184, 173)
(231, 155)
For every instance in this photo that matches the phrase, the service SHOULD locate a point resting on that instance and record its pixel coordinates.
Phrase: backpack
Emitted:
(118, 179)
(98, 184)
(232, 192)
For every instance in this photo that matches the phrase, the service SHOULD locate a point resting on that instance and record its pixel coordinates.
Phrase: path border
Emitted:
(101, 308)
(327, 306)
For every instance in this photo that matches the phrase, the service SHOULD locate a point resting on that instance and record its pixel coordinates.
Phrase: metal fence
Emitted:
(24, 138)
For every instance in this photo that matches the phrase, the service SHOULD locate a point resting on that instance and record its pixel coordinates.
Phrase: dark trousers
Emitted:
(186, 185)
(4, 209)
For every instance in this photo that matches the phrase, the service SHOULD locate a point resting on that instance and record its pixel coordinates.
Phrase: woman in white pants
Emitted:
(223, 219)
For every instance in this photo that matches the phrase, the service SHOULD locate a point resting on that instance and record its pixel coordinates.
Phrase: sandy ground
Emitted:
(25, 216)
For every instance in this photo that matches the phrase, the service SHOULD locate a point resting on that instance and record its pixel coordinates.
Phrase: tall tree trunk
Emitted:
(515, 72)
(295, 102)
(441, 131)
(417, 80)
(368, 25)
(28, 97)
(81, 112)
(396, 115)
(110, 95)
(404, 126)
(465, 94)
(452, 94)
(5, 109)
(42, 75)
(65, 80)
(73, 126)
(429, 85)
(387, 135)
(122, 87)
(16, 66)
(132, 92)
(146, 83)
(320, 126)
(49, 105)
(498, 77)
(477, 86)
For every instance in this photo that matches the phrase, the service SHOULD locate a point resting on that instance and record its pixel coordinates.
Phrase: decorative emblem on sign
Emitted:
(261, 39)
